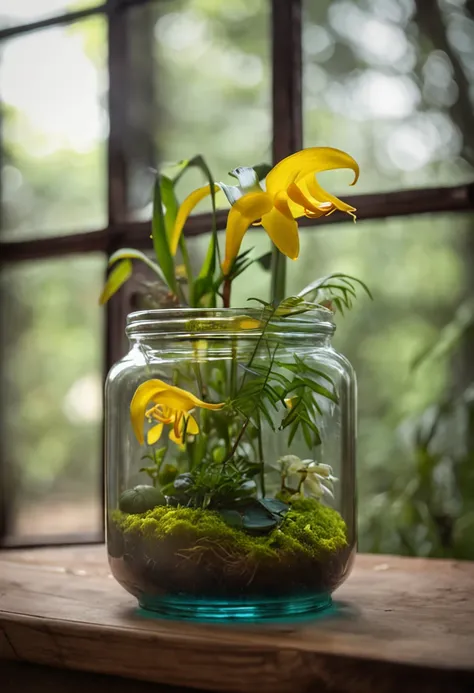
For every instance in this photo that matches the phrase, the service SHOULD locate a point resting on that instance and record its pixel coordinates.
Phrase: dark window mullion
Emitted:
(118, 64)
(287, 106)
(57, 20)
(137, 233)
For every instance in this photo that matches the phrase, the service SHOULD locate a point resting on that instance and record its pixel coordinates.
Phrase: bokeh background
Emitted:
(391, 82)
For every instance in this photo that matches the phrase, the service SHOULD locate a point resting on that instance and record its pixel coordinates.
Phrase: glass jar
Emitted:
(230, 462)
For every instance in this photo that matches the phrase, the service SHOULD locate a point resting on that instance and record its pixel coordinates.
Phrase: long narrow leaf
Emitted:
(321, 283)
(160, 238)
(204, 283)
(170, 203)
(132, 254)
(117, 277)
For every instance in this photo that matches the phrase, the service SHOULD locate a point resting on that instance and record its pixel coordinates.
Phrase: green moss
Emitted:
(309, 530)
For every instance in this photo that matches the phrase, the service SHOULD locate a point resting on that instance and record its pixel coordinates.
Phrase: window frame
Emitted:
(287, 131)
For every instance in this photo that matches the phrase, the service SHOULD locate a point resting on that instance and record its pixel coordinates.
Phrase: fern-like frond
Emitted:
(339, 288)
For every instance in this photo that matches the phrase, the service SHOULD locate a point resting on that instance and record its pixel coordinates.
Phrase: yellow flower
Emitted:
(290, 191)
(171, 405)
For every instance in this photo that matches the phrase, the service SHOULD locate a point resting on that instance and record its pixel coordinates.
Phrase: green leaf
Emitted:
(140, 499)
(170, 202)
(262, 170)
(117, 277)
(306, 367)
(167, 475)
(132, 254)
(318, 389)
(206, 274)
(293, 431)
(160, 238)
(322, 282)
(449, 337)
(265, 261)
(307, 435)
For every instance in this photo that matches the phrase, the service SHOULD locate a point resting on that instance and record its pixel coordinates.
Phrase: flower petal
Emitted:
(143, 394)
(320, 194)
(184, 211)
(181, 400)
(280, 201)
(193, 427)
(178, 423)
(178, 439)
(154, 434)
(312, 160)
(245, 211)
(283, 232)
(317, 209)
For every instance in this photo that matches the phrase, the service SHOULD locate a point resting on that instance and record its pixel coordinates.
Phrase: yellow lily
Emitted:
(171, 405)
(290, 191)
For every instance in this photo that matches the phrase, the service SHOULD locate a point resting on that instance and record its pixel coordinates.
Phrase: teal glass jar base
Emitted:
(250, 611)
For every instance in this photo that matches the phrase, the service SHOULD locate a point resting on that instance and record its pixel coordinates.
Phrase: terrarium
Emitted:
(230, 432)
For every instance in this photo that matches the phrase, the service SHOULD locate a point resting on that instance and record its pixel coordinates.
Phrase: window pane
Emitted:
(420, 272)
(393, 88)
(210, 74)
(53, 85)
(51, 396)
(15, 12)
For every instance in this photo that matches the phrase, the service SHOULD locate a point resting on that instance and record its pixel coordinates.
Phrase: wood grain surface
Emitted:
(398, 623)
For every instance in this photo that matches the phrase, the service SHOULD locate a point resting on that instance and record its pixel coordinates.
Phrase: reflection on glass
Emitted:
(51, 396)
(52, 85)
(380, 84)
(17, 12)
(211, 78)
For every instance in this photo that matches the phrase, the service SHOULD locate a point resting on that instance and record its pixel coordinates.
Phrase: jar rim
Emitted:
(225, 322)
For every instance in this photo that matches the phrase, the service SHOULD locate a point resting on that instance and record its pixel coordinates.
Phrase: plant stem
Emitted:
(226, 292)
(236, 443)
(278, 286)
(260, 458)
(233, 368)
(189, 269)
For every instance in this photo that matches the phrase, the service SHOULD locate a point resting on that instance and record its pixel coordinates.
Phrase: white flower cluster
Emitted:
(314, 478)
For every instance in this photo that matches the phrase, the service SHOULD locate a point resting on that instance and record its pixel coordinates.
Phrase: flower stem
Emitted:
(189, 269)
(226, 292)
(278, 287)
(233, 369)
(260, 459)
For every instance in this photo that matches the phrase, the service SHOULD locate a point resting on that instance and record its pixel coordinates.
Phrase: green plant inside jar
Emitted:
(201, 430)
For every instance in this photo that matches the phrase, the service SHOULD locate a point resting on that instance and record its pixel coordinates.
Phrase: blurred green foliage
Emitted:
(375, 84)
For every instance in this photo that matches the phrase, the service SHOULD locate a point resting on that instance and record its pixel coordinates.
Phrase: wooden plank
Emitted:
(412, 617)
(21, 677)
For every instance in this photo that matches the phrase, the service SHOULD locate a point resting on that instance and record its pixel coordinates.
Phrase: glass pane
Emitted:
(420, 273)
(211, 76)
(393, 88)
(17, 12)
(53, 87)
(51, 396)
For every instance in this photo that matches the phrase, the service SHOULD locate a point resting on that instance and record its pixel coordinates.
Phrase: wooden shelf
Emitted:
(398, 624)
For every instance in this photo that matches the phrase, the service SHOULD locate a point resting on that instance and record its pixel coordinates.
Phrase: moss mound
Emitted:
(180, 551)
(309, 530)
